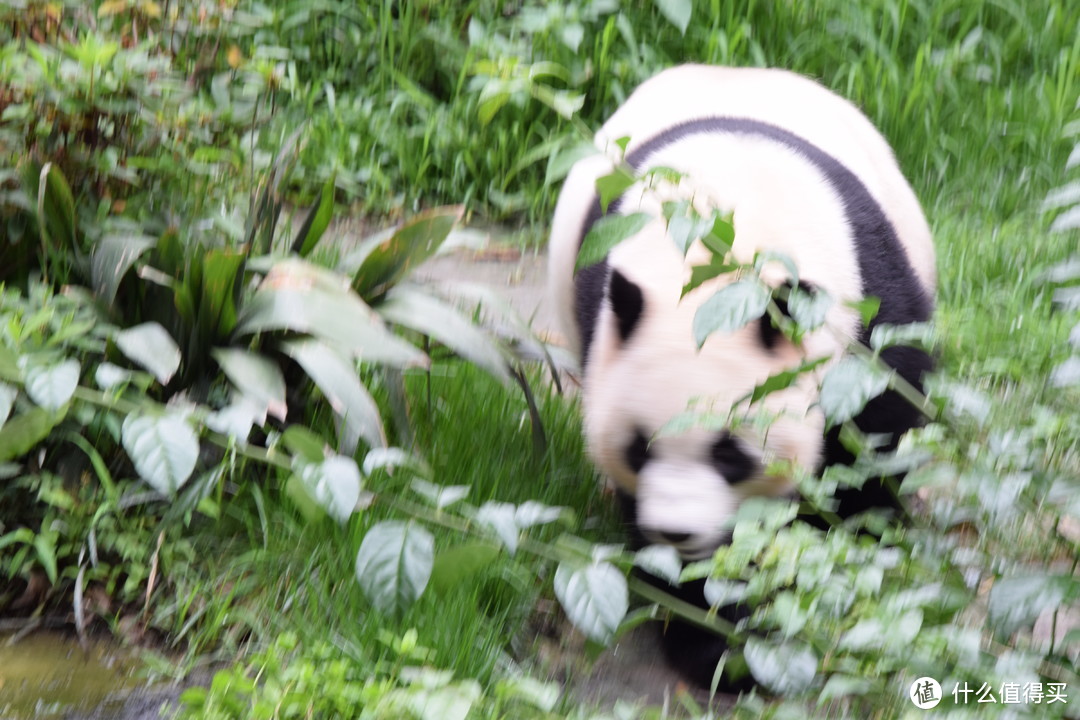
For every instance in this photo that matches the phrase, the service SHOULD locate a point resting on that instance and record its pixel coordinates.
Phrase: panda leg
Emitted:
(694, 651)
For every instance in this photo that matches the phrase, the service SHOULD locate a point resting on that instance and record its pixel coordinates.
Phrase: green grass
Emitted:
(972, 95)
(995, 314)
(291, 574)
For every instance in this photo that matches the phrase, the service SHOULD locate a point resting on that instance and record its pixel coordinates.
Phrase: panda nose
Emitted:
(675, 538)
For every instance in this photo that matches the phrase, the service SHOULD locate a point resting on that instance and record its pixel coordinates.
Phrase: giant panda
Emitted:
(805, 174)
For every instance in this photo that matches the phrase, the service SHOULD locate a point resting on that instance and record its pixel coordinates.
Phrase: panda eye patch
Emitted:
(768, 333)
(730, 460)
(627, 303)
(637, 452)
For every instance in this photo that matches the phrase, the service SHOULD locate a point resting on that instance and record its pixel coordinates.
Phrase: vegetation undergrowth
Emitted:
(396, 97)
(215, 426)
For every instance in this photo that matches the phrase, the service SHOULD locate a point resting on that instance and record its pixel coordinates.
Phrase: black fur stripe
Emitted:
(883, 265)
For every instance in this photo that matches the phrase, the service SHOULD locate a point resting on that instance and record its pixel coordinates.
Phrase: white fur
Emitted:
(778, 97)
(781, 202)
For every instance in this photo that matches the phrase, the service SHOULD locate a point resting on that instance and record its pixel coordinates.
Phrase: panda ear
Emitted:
(627, 302)
(767, 331)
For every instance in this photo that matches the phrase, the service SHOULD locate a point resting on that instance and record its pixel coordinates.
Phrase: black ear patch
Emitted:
(767, 331)
(730, 460)
(627, 302)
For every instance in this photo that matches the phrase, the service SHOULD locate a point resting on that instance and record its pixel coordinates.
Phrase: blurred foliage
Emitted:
(395, 91)
(164, 306)
(180, 350)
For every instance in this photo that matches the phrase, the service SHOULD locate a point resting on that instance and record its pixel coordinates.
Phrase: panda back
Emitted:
(788, 104)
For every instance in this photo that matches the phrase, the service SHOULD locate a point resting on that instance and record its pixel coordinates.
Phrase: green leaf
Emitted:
(302, 442)
(540, 695)
(394, 564)
(10, 367)
(611, 186)
(864, 635)
(684, 229)
(657, 174)
(113, 256)
(1066, 373)
(913, 334)
(45, 549)
(499, 516)
(222, 280)
(594, 596)
(340, 383)
(530, 513)
(163, 449)
(720, 592)
(808, 309)
(677, 12)
(839, 686)
(391, 458)
(22, 432)
(566, 103)
(784, 668)
(236, 419)
(721, 235)
(317, 220)
(389, 260)
(489, 106)
(55, 206)
(716, 243)
(152, 347)
(434, 699)
(334, 484)
(660, 560)
(441, 496)
(411, 307)
(764, 258)
(560, 163)
(700, 274)
(51, 387)
(783, 379)
(606, 233)
(258, 378)
(461, 562)
(7, 400)
(299, 297)
(1016, 602)
(109, 376)
(301, 497)
(848, 386)
(867, 307)
(730, 308)
(788, 614)
(962, 399)
(571, 34)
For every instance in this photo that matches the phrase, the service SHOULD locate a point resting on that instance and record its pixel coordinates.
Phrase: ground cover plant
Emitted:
(152, 151)
(396, 92)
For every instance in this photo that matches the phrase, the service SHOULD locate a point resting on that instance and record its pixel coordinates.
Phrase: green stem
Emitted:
(901, 386)
(127, 407)
(545, 551)
(686, 611)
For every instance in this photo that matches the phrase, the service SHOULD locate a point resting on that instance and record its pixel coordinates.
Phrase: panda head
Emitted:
(643, 369)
